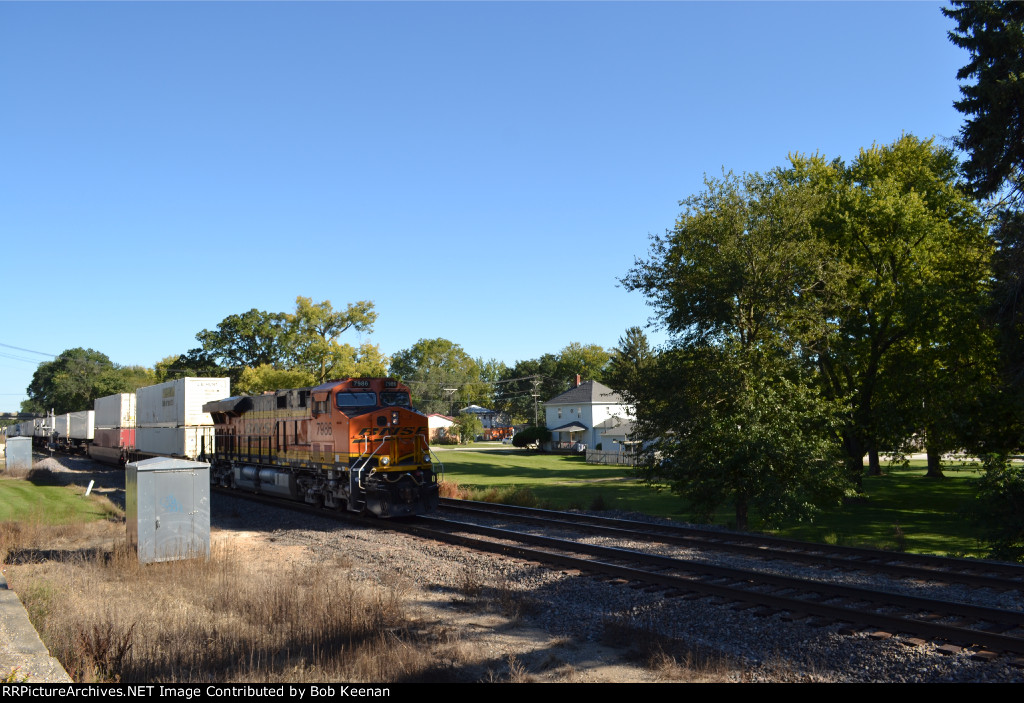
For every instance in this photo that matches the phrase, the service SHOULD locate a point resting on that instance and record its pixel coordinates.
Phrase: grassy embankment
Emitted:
(231, 619)
(226, 619)
(49, 504)
(903, 510)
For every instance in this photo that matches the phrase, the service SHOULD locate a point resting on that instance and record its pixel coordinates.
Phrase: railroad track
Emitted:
(969, 572)
(791, 598)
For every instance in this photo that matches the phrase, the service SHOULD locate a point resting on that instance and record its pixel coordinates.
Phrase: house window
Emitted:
(580, 411)
(559, 413)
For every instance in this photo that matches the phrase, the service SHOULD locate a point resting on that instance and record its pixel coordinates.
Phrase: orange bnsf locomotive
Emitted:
(356, 444)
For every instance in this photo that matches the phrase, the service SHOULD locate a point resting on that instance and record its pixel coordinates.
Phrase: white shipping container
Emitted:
(179, 403)
(186, 442)
(60, 425)
(114, 411)
(82, 425)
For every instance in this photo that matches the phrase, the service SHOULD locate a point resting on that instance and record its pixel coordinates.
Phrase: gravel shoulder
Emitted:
(516, 621)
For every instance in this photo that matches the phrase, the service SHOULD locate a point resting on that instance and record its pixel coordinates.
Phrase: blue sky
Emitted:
(482, 171)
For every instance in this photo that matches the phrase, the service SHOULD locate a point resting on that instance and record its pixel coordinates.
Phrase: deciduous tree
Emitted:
(912, 260)
(431, 366)
(739, 283)
(73, 380)
(313, 331)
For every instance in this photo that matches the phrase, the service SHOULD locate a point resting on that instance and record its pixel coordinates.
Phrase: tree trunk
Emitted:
(934, 467)
(741, 512)
(855, 469)
(874, 467)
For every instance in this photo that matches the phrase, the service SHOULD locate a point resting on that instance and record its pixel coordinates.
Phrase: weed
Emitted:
(900, 538)
(470, 584)
(833, 539)
(517, 673)
(669, 659)
(100, 652)
(14, 677)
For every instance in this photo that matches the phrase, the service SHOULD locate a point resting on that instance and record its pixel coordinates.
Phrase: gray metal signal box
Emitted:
(167, 505)
(19, 455)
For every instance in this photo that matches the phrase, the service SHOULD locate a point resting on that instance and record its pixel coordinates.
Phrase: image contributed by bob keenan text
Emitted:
(194, 691)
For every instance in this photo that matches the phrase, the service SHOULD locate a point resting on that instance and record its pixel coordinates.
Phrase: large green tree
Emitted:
(588, 361)
(442, 376)
(313, 332)
(729, 413)
(523, 388)
(73, 380)
(520, 390)
(629, 360)
(306, 340)
(912, 263)
(252, 339)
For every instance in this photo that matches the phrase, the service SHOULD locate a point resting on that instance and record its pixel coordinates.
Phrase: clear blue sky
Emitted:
(482, 171)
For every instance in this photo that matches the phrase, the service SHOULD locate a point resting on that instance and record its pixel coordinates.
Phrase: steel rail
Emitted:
(811, 554)
(896, 623)
(948, 567)
(835, 613)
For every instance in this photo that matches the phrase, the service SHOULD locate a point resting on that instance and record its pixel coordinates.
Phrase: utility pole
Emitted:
(451, 395)
(536, 393)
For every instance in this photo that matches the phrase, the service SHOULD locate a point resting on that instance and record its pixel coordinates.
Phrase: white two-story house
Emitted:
(582, 414)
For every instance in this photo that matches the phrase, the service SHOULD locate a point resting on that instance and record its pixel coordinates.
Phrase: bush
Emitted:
(999, 511)
(530, 435)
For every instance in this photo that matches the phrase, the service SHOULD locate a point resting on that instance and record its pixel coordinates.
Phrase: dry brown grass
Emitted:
(670, 660)
(506, 495)
(224, 619)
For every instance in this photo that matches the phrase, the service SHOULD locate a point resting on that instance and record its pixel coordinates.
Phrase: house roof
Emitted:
(615, 423)
(571, 427)
(615, 427)
(587, 393)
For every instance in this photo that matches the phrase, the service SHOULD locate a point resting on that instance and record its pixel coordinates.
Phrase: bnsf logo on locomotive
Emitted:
(390, 431)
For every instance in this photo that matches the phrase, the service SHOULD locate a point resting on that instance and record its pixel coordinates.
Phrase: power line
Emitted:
(19, 358)
(30, 351)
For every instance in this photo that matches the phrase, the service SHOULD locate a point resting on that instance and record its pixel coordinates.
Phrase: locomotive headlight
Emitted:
(426, 458)
(385, 461)
(394, 417)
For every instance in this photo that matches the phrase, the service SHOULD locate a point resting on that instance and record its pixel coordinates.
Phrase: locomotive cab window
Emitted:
(356, 399)
(400, 398)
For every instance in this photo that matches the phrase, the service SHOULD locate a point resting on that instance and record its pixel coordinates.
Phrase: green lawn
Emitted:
(904, 507)
(22, 500)
(901, 510)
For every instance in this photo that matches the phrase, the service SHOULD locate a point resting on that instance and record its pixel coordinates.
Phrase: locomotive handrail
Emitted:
(359, 469)
(434, 454)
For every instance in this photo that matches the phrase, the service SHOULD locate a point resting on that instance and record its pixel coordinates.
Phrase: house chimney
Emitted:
(577, 380)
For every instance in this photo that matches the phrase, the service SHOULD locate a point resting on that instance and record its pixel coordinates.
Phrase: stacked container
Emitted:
(115, 428)
(73, 431)
(170, 420)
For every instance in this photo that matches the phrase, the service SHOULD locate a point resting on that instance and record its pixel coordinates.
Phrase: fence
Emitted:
(620, 458)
